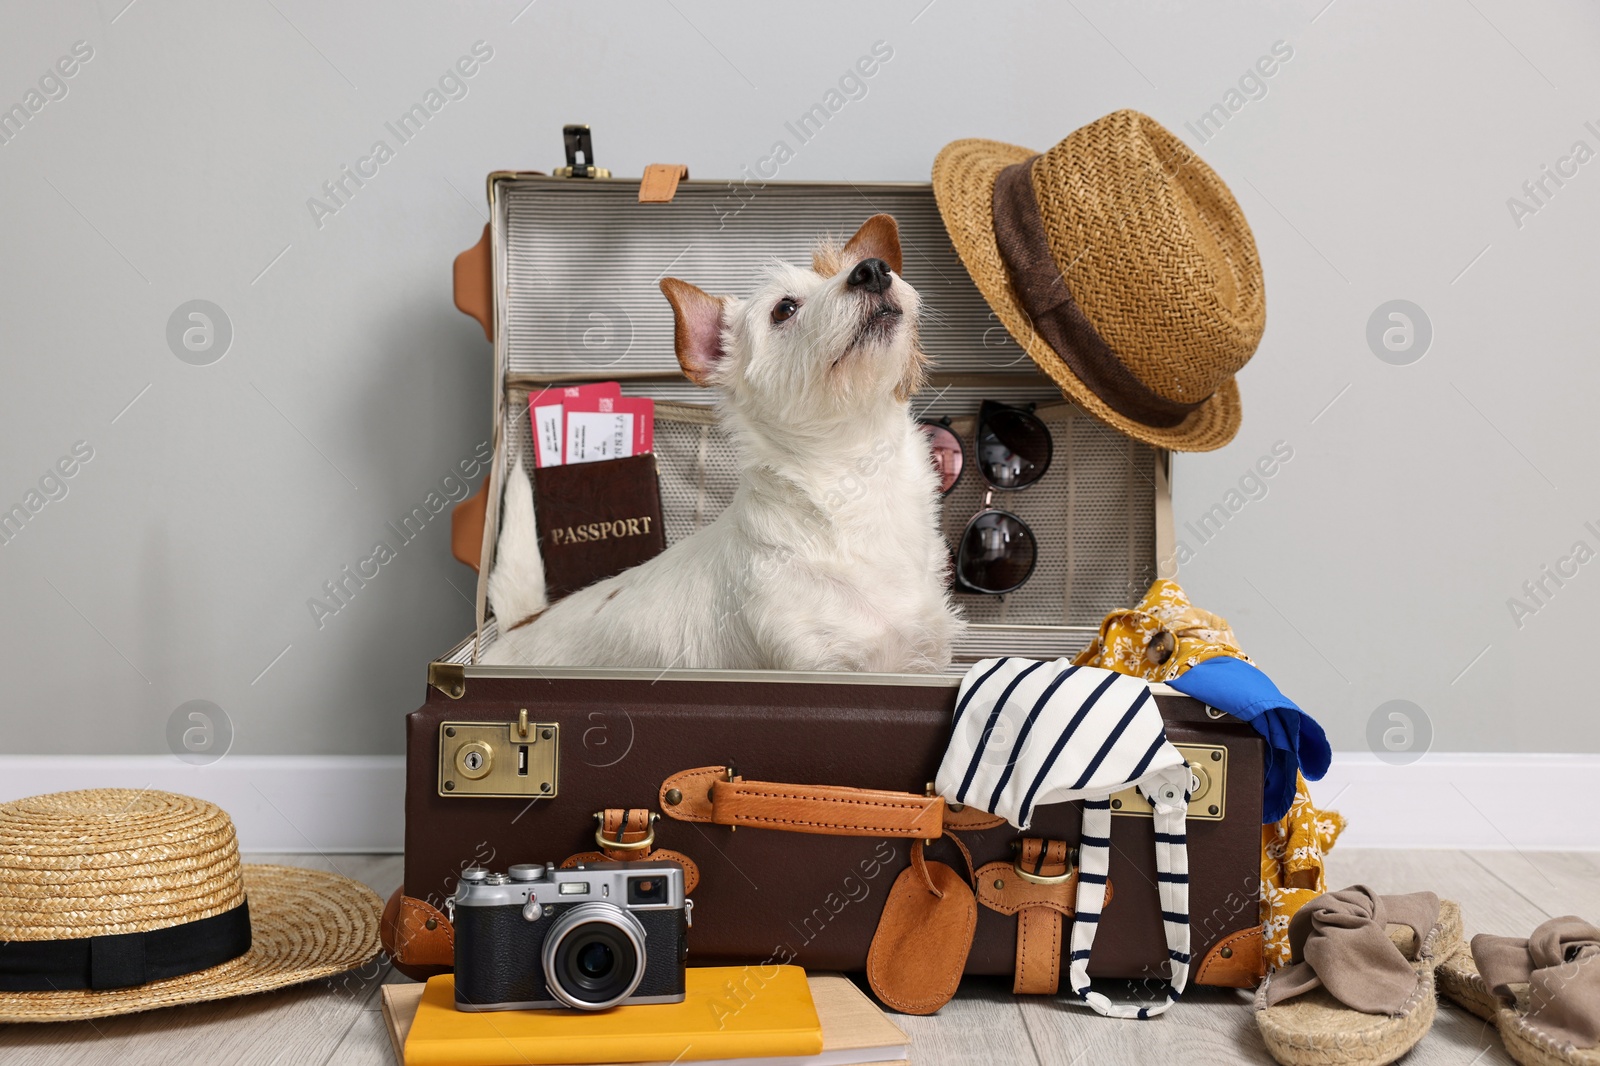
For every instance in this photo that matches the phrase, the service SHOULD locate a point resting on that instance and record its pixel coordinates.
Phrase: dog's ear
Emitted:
(878, 238)
(697, 329)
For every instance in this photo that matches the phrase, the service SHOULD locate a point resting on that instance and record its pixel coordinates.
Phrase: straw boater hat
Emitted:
(116, 900)
(1122, 265)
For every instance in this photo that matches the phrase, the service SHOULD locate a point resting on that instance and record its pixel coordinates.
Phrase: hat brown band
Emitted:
(123, 960)
(1042, 291)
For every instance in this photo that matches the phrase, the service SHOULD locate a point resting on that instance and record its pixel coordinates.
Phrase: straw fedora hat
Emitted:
(118, 900)
(1122, 265)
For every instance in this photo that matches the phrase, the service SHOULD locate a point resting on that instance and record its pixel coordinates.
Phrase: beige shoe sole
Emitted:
(1531, 1047)
(1459, 979)
(1317, 1030)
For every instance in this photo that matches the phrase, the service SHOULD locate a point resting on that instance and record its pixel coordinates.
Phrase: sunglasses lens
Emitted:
(1013, 446)
(997, 553)
(948, 457)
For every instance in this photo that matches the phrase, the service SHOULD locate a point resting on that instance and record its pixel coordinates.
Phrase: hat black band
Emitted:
(124, 960)
(1060, 322)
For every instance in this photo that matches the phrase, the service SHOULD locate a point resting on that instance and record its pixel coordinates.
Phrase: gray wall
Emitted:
(178, 165)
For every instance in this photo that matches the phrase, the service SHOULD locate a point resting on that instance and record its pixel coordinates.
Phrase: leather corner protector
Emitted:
(660, 182)
(410, 942)
(694, 794)
(1243, 965)
(474, 284)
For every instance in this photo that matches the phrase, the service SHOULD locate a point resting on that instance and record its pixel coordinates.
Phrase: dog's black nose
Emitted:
(870, 274)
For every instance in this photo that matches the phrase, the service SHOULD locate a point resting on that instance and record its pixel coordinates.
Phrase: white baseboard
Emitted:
(1479, 800)
(334, 803)
(279, 803)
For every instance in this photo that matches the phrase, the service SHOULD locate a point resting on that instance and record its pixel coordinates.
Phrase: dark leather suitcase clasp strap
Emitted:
(629, 835)
(716, 795)
(623, 832)
(1041, 888)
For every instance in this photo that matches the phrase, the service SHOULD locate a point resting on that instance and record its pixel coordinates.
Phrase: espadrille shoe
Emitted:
(1361, 988)
(1543, 993)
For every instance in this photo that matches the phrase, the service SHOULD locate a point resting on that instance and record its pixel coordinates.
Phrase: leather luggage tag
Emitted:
(923, 937)
(597, 520)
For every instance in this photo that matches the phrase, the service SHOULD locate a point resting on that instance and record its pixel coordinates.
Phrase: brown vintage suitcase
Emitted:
(564, 284)
(615, 737)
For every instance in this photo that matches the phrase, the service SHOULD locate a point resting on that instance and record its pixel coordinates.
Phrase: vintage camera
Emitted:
(589, 938)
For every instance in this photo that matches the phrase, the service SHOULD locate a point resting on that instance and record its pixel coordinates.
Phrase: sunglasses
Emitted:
(997, 551)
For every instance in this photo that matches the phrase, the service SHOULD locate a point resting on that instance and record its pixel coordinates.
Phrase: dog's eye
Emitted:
(784, 310)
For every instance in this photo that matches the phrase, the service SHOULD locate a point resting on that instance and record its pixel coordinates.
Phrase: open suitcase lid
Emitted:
(560, 254)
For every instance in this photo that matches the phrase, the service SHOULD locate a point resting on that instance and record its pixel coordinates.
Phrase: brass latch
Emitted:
(578, 143)
(1208, 785)
(517, 760)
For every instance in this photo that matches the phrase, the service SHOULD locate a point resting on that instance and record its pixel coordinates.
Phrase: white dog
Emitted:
(829, 556)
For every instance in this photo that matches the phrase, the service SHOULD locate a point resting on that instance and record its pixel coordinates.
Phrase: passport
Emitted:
(597, 520)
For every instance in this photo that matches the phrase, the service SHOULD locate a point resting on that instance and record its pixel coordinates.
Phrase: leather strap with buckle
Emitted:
(629, 835)
(620, 833)
(1040, 887)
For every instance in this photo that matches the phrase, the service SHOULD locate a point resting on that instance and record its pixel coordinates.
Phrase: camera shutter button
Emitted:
(531, 911)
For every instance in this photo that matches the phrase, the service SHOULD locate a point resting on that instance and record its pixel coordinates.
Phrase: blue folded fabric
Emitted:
(1294, 739)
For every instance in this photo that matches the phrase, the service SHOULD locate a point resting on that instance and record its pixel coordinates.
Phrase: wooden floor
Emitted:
(339, 1021)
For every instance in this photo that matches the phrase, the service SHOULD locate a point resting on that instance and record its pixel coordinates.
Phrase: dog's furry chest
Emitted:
(859, 587)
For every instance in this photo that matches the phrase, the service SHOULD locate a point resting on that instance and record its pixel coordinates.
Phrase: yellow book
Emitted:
(733, 1012)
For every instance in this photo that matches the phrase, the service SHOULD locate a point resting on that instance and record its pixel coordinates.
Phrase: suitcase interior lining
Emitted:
(581, 256)
(582, 262)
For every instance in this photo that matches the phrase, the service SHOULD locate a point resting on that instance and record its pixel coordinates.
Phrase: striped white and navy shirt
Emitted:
(1027, 733)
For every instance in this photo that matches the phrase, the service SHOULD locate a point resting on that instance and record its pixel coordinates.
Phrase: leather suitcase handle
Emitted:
(708, 794)
(474, 284)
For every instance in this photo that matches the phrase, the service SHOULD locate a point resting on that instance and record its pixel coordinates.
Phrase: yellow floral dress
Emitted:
(1158, 640)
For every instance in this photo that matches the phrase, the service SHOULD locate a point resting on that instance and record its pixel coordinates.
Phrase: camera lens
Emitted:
(594, 956)
(595, 960)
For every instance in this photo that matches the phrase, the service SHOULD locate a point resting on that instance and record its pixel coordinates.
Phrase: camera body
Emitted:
(588, 938)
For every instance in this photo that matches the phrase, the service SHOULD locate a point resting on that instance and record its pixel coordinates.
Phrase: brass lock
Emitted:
(519, 760)
(1208, 785)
